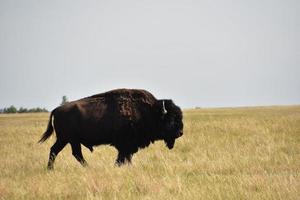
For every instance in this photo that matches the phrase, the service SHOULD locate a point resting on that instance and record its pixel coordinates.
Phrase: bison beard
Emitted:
(127, 119)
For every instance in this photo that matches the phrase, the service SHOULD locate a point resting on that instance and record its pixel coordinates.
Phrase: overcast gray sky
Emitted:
(199, 53)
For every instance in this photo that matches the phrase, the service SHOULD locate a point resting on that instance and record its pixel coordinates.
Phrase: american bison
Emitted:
(128, 119)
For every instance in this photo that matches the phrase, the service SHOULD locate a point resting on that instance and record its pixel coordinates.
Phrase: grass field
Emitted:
(239, 153)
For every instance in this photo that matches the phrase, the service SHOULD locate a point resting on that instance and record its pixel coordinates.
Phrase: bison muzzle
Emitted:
(127, 119)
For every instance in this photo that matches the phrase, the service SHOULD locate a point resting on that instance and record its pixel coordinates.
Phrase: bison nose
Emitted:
(180, 133)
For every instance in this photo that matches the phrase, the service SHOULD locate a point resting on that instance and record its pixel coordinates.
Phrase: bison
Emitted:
(128, 119)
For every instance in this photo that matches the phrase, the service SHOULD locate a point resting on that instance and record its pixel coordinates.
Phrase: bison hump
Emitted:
(130, 103)
(133, 94)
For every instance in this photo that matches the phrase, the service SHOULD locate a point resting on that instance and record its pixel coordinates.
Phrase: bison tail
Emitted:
(49, 130)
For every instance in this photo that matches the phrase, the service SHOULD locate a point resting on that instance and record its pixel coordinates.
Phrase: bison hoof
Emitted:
(84, 164)
(120, 163)
(50, 167)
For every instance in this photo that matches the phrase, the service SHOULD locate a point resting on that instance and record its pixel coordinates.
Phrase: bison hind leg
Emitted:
(123, 158)
(76, 151)
(54, 150)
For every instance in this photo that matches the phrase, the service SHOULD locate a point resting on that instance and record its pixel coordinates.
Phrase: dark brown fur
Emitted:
(127, 119)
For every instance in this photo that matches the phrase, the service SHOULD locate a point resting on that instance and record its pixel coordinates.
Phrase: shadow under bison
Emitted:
(127, 119)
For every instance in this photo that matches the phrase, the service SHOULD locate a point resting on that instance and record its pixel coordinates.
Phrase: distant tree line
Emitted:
(13, 109)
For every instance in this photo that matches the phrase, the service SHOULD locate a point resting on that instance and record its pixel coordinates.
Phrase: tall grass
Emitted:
(240, 153)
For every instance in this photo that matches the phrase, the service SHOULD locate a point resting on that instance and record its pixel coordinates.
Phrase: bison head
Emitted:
(171, 117)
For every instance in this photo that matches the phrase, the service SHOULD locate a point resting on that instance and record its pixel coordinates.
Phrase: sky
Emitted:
(200, 53)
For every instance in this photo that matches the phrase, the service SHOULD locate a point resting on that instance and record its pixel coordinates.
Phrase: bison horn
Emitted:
(164, 108)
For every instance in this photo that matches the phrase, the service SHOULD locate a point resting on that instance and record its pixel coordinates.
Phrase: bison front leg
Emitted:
(76, 151)
(123, 158)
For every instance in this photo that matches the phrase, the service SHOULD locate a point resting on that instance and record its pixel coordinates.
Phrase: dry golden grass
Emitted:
(241, 153)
